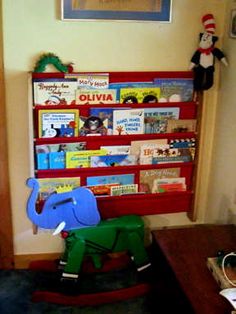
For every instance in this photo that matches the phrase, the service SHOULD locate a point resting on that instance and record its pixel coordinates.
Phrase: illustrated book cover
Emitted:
(54, 91)
(124, 189)
(156, 119)
(173, 155)
(119, 85)
(93, 126)
(57, 160)
(148, 151)
(117, 149)
(181, 125)
(139, 95)
(62, 147)
(147, 178)
(113, 160)
(58, 123)
(101, 190)
(48, 186)
(163, 185)
(130, 121)
(95, 96)
(82, 158)
(93, 80)
(175, 90)
(120, 179)
(42, 161)
(135, 145)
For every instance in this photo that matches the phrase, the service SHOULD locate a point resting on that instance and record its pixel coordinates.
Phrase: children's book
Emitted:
(82, 158)
(92, 126)
(48, 186)
(124, 189)
(95, 96)
(147, 177)
(42, 160)
(156, 119)
(54, 91)
(173, 155)
(183, 143)
(101, 190)
(111, 179)
(175, 90)
(130, 121)
(181, 125)
(58, 123)
(169, 185)
(113, 160)
(105, 114)
(117, 149)
(57, 160)
(135, 145)
(148, 151)
(62, 147)
(117, 86)
(93, 80)
(139, 95)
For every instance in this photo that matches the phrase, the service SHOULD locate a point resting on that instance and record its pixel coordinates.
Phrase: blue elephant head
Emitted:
(63, 211)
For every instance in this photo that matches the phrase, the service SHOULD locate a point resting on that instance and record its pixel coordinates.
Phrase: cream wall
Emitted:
(32, 27)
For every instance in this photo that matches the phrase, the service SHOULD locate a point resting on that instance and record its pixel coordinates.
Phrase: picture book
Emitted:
(82, 158)
(54, 91)
(173, 155)
(118, 85)
(175, 90)
(93, 80)
(113, 160)
(93, 125)
(169, 185)
(135, 145)
(183, 143)
(181, 125)
(58, 123)
(117, 149)
(101, 190)
(156, 119)
(139, 95)
(147, 177)
(42, 161)
(57, 160)
(124, 189)
(66, 147)
(95, 96)
(105, 114)
(49, 185)
(111, 179)
(130, 121)
(148, 151)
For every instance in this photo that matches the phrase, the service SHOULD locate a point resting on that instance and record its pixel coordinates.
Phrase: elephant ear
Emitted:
(85, 210)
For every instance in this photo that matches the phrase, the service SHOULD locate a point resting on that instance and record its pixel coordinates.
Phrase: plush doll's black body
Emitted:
(203, 60)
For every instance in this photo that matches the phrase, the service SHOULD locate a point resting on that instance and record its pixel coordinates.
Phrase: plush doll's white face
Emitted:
(206, 41)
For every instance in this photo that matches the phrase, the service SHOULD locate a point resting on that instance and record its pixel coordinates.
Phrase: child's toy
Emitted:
(51, 58)
(74, 213)
(203, 59)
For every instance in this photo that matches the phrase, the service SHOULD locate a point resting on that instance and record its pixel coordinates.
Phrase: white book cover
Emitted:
(148, 151)
(130, 121)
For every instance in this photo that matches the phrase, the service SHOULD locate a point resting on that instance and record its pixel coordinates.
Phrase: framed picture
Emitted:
(232, 30)
(58, 123)
(136, 10)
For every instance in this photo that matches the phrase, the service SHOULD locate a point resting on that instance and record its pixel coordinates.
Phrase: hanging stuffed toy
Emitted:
(203, 60)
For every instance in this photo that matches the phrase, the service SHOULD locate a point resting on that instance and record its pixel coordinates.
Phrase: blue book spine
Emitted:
(57, 160)
(42, 161)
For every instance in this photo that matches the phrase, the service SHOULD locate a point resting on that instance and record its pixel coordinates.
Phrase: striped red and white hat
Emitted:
(209, 23)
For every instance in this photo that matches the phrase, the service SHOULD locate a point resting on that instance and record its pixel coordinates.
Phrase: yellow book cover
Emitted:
(139, 95)
(82, 158)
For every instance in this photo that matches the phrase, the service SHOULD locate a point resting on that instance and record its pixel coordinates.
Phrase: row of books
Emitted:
(150, 181)
(95, 88)
(110, 121)
(75, 155)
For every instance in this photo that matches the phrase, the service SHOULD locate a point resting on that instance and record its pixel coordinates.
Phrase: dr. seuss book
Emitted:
(181, 125)
(124, 189)
(54, 91)
(139, 95)
(82, 158)
(48, 186)
(175, 90)
(58, 123)
(113, 160)
(147, 178)
(130, 121)
(62, 147)
(95, 96)
(111, 179)
(156, 119)
(93, 80)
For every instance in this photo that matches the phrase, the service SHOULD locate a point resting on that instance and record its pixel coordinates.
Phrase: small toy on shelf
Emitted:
(203, 60)
(51, 58)
(74, 213)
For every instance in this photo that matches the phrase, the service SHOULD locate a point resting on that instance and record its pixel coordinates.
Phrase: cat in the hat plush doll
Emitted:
(202, 62)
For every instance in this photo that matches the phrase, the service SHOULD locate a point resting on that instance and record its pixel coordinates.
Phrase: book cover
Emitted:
(102, 189)
(173, 155)
(175, 90)
(181, 125)
(111, 179)
(113, 160)
(130, 121)
(148, 151)
(163, 185)
(58, 123)
(65, 147)
(156, 119)
(93, 125)
(118, 85)
(48, 186)
(42, 160)
(105, 114)
(95, 96)
(54, 91)
(147, 177)
(117, 149)
(82, 158)
(93, 80)
(57, 160)
(124, 189)
(183, 143)
(135, 145)
(139, 95)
